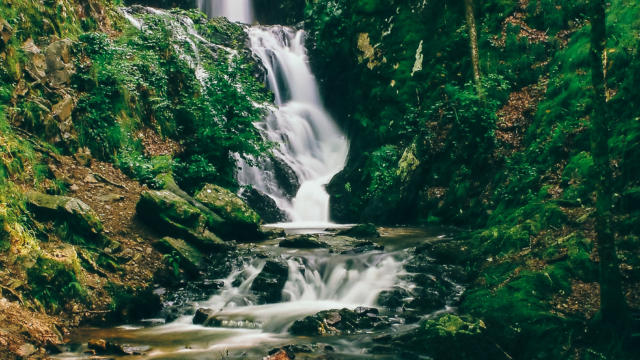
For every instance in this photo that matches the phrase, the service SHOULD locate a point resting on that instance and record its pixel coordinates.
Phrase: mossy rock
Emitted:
(169, 213)
(82, 219)
(189, 258)
(362, 231)
(243, 223)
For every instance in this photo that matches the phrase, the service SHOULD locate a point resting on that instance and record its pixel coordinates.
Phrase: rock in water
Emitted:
(269, 283)
(189, 258)
(243, 221)
(305, 241)
(265, 206)
(286, 177)
(362, 231)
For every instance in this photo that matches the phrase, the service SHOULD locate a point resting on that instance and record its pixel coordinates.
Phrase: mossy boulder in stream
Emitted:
(167, 212)
(189, 258)
(362, 231)
(80, 217)
(242, 221)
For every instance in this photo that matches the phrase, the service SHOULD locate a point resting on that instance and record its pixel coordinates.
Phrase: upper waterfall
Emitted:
(309, 142)
(234, 10)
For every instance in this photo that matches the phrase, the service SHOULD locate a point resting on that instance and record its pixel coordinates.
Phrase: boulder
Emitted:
(337, 322)
(242, 222)
(189, 258)
(167, 212)
(362, 231)
(269, 283)
(58, 61)
(285, 176)
(76, 213)
(264, 205)
(202, 315)
(305, 241)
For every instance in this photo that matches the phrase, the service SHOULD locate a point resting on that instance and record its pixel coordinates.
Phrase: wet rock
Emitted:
(286, 177)
(75, 212)
(447, 251)
(269, 283)
(202, 315)
(394, 298)
(103, 347)
(273, 233)
(264, 205)
(189, 258)
(167, 212)
(244, 221)
(337, 322)
(363, 231)
(304, 241)
(280, 355)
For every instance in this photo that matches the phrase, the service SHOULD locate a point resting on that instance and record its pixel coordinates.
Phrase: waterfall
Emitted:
(308, 140)
(234, 10)
(310, 148)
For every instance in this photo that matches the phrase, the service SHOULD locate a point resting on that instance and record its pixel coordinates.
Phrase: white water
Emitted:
(234, 10)
(308, 139)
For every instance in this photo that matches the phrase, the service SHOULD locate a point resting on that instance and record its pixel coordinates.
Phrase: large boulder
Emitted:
(336, 322)
(304, 241)
(169, 213)
(269, 283)
(59, 65)
(82, 219)
(189, 258)
(286, 177)
(264, 205)
(362, 231)
(243, 222)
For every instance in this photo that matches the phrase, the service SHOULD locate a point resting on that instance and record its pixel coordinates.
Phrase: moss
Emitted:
(54, 284)
(130, 304)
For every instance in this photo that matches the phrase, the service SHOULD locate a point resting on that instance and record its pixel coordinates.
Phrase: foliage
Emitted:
(129, 304)
(54, 284)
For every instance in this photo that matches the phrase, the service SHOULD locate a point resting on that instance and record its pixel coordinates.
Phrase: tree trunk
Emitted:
(473, 43)
(612, 302)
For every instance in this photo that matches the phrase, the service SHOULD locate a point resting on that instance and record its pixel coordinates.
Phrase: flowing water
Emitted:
(313, 148)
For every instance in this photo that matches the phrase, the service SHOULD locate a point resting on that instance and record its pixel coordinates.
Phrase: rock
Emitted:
(280, 355)
(63, 109)
(264, 205)
(202, 315)
(189, 258)
(336, 322)
(273, 233)
(243, 221)
(286, 177)
(76, 213)
(167, 212)
(83, 156)
(269, 283)
(394, 298)
(103, 347)
(305, 241)
(6, 31)
(74, 188)
(361, 231)
(110, 198)
(90, 179)
(25, 350)
(59, 65)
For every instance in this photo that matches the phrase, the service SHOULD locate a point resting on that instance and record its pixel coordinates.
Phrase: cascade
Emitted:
(234, 10)
(309, 144)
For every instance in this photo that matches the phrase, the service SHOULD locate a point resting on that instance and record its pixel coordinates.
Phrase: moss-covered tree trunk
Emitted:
(612, 303)
(473, 43)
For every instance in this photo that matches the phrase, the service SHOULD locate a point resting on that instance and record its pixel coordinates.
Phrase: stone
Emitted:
(110, 198)
(243, 220)
(269, 283)
(273, 233)
(75, 212)
(6, 31)
(189, 258)
(169, 213)
(337, 322)
(202, 315)
(264, 205)
(280, 355)
(83, 156)
(25, 350)
(90, 179)
(74, 188)
(58, 61)
(304, 241)
(364, 231)
(285, 176)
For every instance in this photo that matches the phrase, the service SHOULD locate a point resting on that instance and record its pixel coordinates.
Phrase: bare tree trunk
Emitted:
(473, 43)
(612, 303)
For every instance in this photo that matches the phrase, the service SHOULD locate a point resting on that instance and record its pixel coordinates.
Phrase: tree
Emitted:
(612, 303)
(473, 43)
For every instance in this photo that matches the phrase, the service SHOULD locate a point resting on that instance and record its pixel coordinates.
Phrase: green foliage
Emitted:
(129, 304)
(54, 284)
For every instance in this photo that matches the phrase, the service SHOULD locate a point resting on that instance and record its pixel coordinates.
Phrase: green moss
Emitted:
(54, 284)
